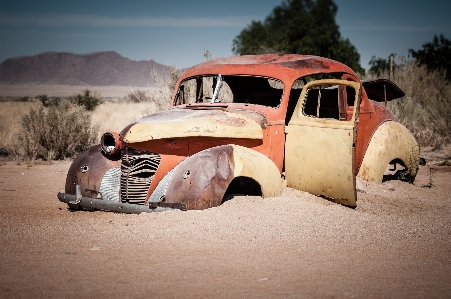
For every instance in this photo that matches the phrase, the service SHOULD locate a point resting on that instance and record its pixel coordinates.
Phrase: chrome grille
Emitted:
(137, 171)
(109, 186)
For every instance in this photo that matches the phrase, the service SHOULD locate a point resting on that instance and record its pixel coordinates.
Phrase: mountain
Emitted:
(96, 69)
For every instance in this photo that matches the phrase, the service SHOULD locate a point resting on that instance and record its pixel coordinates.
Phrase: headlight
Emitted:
(110, 143)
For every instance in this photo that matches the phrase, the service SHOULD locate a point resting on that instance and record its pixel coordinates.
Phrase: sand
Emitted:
(395, 244)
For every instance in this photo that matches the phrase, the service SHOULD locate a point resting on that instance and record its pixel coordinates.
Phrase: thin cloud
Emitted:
(103, 21)
(395, 28)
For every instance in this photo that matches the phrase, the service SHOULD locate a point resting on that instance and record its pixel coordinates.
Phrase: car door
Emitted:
(320, 141)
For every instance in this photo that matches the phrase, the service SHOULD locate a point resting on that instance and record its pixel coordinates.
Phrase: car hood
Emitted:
(173, 123)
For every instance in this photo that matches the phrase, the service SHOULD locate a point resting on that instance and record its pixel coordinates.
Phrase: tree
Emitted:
(299, 27)
(89, 100)
(380, 66)
(435, 55)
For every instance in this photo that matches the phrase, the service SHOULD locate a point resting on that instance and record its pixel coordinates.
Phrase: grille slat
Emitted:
(137, 172)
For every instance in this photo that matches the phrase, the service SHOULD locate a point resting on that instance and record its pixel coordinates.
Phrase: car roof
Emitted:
(286, 67)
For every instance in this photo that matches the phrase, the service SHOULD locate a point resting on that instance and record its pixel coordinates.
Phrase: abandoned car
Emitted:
(249, 125)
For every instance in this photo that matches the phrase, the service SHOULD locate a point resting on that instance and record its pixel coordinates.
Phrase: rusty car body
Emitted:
(249, 125)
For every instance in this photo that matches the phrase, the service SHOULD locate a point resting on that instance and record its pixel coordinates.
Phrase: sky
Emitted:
(178, 31)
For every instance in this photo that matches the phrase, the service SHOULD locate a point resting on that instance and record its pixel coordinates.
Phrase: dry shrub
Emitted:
(11, 113)
(426, 108)
(60, 131)
(158, 98)
(166, 86)
(137, 96)
(48, 101)
(114, 116)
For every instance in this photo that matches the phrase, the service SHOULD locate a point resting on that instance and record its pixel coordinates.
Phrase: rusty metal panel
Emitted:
(286, 67)
(109, 205)
(390, 141)
(201, 181)
(217, 123)
(88, 170)
(369, 121)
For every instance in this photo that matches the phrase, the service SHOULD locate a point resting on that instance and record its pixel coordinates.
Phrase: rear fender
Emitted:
(201, 180)
(390, 141)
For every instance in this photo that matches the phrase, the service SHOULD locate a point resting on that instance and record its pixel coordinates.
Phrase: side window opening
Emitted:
(322, 102)
(338, 112)
(328, 100)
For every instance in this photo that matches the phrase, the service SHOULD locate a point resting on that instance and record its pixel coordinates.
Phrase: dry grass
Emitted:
(11, 113)
(109, 116)
(57, 132)
(426, 108)
(114, 116)
(158, 97)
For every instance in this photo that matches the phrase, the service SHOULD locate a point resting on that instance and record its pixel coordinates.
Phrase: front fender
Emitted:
(201, 180)
(88, 170)
(390, 141)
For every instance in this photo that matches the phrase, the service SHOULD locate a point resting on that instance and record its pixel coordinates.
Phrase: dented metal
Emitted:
(192, 123)
(88, 170)
(201, 180)
(248, 124)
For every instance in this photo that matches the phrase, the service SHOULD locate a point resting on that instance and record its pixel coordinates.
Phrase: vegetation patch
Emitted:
(87, 99)
(426, 107)
(61, 131)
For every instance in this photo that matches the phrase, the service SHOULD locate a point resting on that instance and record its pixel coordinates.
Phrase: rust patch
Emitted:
(309, 63)
(256, 116)
(201, 181)
(88, 169)
(231, 120)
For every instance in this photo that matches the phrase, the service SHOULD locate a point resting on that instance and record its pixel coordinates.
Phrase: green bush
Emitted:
(58, 132)
(87, 99)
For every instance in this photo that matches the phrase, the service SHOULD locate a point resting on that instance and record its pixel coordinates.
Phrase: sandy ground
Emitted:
(395, 244)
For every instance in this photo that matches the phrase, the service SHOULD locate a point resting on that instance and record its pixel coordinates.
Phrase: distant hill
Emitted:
(96, 69)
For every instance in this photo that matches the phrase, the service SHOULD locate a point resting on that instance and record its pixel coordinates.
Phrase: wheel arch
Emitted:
(390, 142)
(201, 180)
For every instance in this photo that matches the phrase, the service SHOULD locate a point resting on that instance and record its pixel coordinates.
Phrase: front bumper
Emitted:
(113, 206)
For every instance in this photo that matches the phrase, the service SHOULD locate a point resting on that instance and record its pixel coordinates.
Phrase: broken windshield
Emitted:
(230, 89)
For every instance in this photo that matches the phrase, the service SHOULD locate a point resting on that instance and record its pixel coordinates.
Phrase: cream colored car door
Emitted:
(320, 141)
